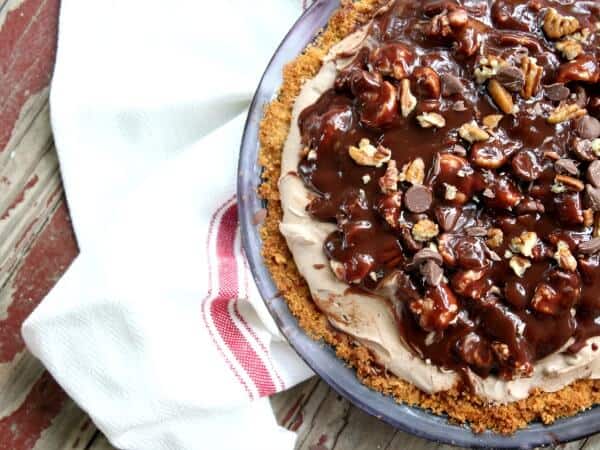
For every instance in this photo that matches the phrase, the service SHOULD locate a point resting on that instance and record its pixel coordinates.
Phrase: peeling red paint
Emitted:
(31, 183)
(22, 429)
(50, 255)
(290, 413)
(27, 51)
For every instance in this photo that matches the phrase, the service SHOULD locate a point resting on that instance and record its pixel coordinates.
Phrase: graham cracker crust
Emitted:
(460, 407)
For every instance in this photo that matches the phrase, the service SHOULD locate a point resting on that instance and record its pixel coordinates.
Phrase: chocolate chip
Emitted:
(580, 97)
(418, 199)
(432, 273)
(582, 148)
(593, 173)
(588, 127)
(556, 92)
(511, 78)
(589, 247)
(593, 196)
(426, 254)
(476, 231)
(451, 85)
(447, 216)
(566, 166)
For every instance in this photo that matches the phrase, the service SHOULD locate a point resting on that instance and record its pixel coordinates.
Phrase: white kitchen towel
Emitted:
(157, 329)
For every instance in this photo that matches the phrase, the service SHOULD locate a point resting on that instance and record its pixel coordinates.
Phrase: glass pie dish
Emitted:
(321, 358)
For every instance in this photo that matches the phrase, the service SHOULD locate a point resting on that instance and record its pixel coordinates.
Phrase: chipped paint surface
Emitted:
(46, 261)
(27, 52)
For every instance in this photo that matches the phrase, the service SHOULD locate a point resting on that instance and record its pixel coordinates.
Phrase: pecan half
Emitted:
(501, 96)
(556, 25)
(533, 76)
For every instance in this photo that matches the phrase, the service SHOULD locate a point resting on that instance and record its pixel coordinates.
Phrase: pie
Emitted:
(432, 176)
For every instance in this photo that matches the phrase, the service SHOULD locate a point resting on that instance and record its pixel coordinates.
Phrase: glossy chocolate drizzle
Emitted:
(481, 315)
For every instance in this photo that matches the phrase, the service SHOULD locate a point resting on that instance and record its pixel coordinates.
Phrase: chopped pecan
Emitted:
(367, 154)
(556, 25)
(566, 111)
(519, 265)
(451, 191)
(524, 243)
(471, 283)
(471, 132)
(413, 172)
(488, 66)
(491, 121)
(564, 257)
(431, 119)
(545, 299)
(501, 97)
(390, 208)
(533, 76)
(425, 230)
(408, 102)
(495, 237)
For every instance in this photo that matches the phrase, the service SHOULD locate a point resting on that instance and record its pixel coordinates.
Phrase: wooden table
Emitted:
(37, 245)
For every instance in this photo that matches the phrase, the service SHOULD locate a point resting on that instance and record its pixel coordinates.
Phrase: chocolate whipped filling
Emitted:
(456, 159)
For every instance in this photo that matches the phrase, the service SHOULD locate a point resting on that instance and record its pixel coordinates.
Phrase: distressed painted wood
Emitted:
(325, 421)
(36, 239)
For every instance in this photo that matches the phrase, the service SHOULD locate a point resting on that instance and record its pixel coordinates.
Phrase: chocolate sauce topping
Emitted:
(468, 129)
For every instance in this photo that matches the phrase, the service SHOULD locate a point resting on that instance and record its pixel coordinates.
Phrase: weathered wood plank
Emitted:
(100, 443)
(27, 51)
(324, 421)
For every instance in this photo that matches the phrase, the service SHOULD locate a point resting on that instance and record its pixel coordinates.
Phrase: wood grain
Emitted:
(325, 421)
